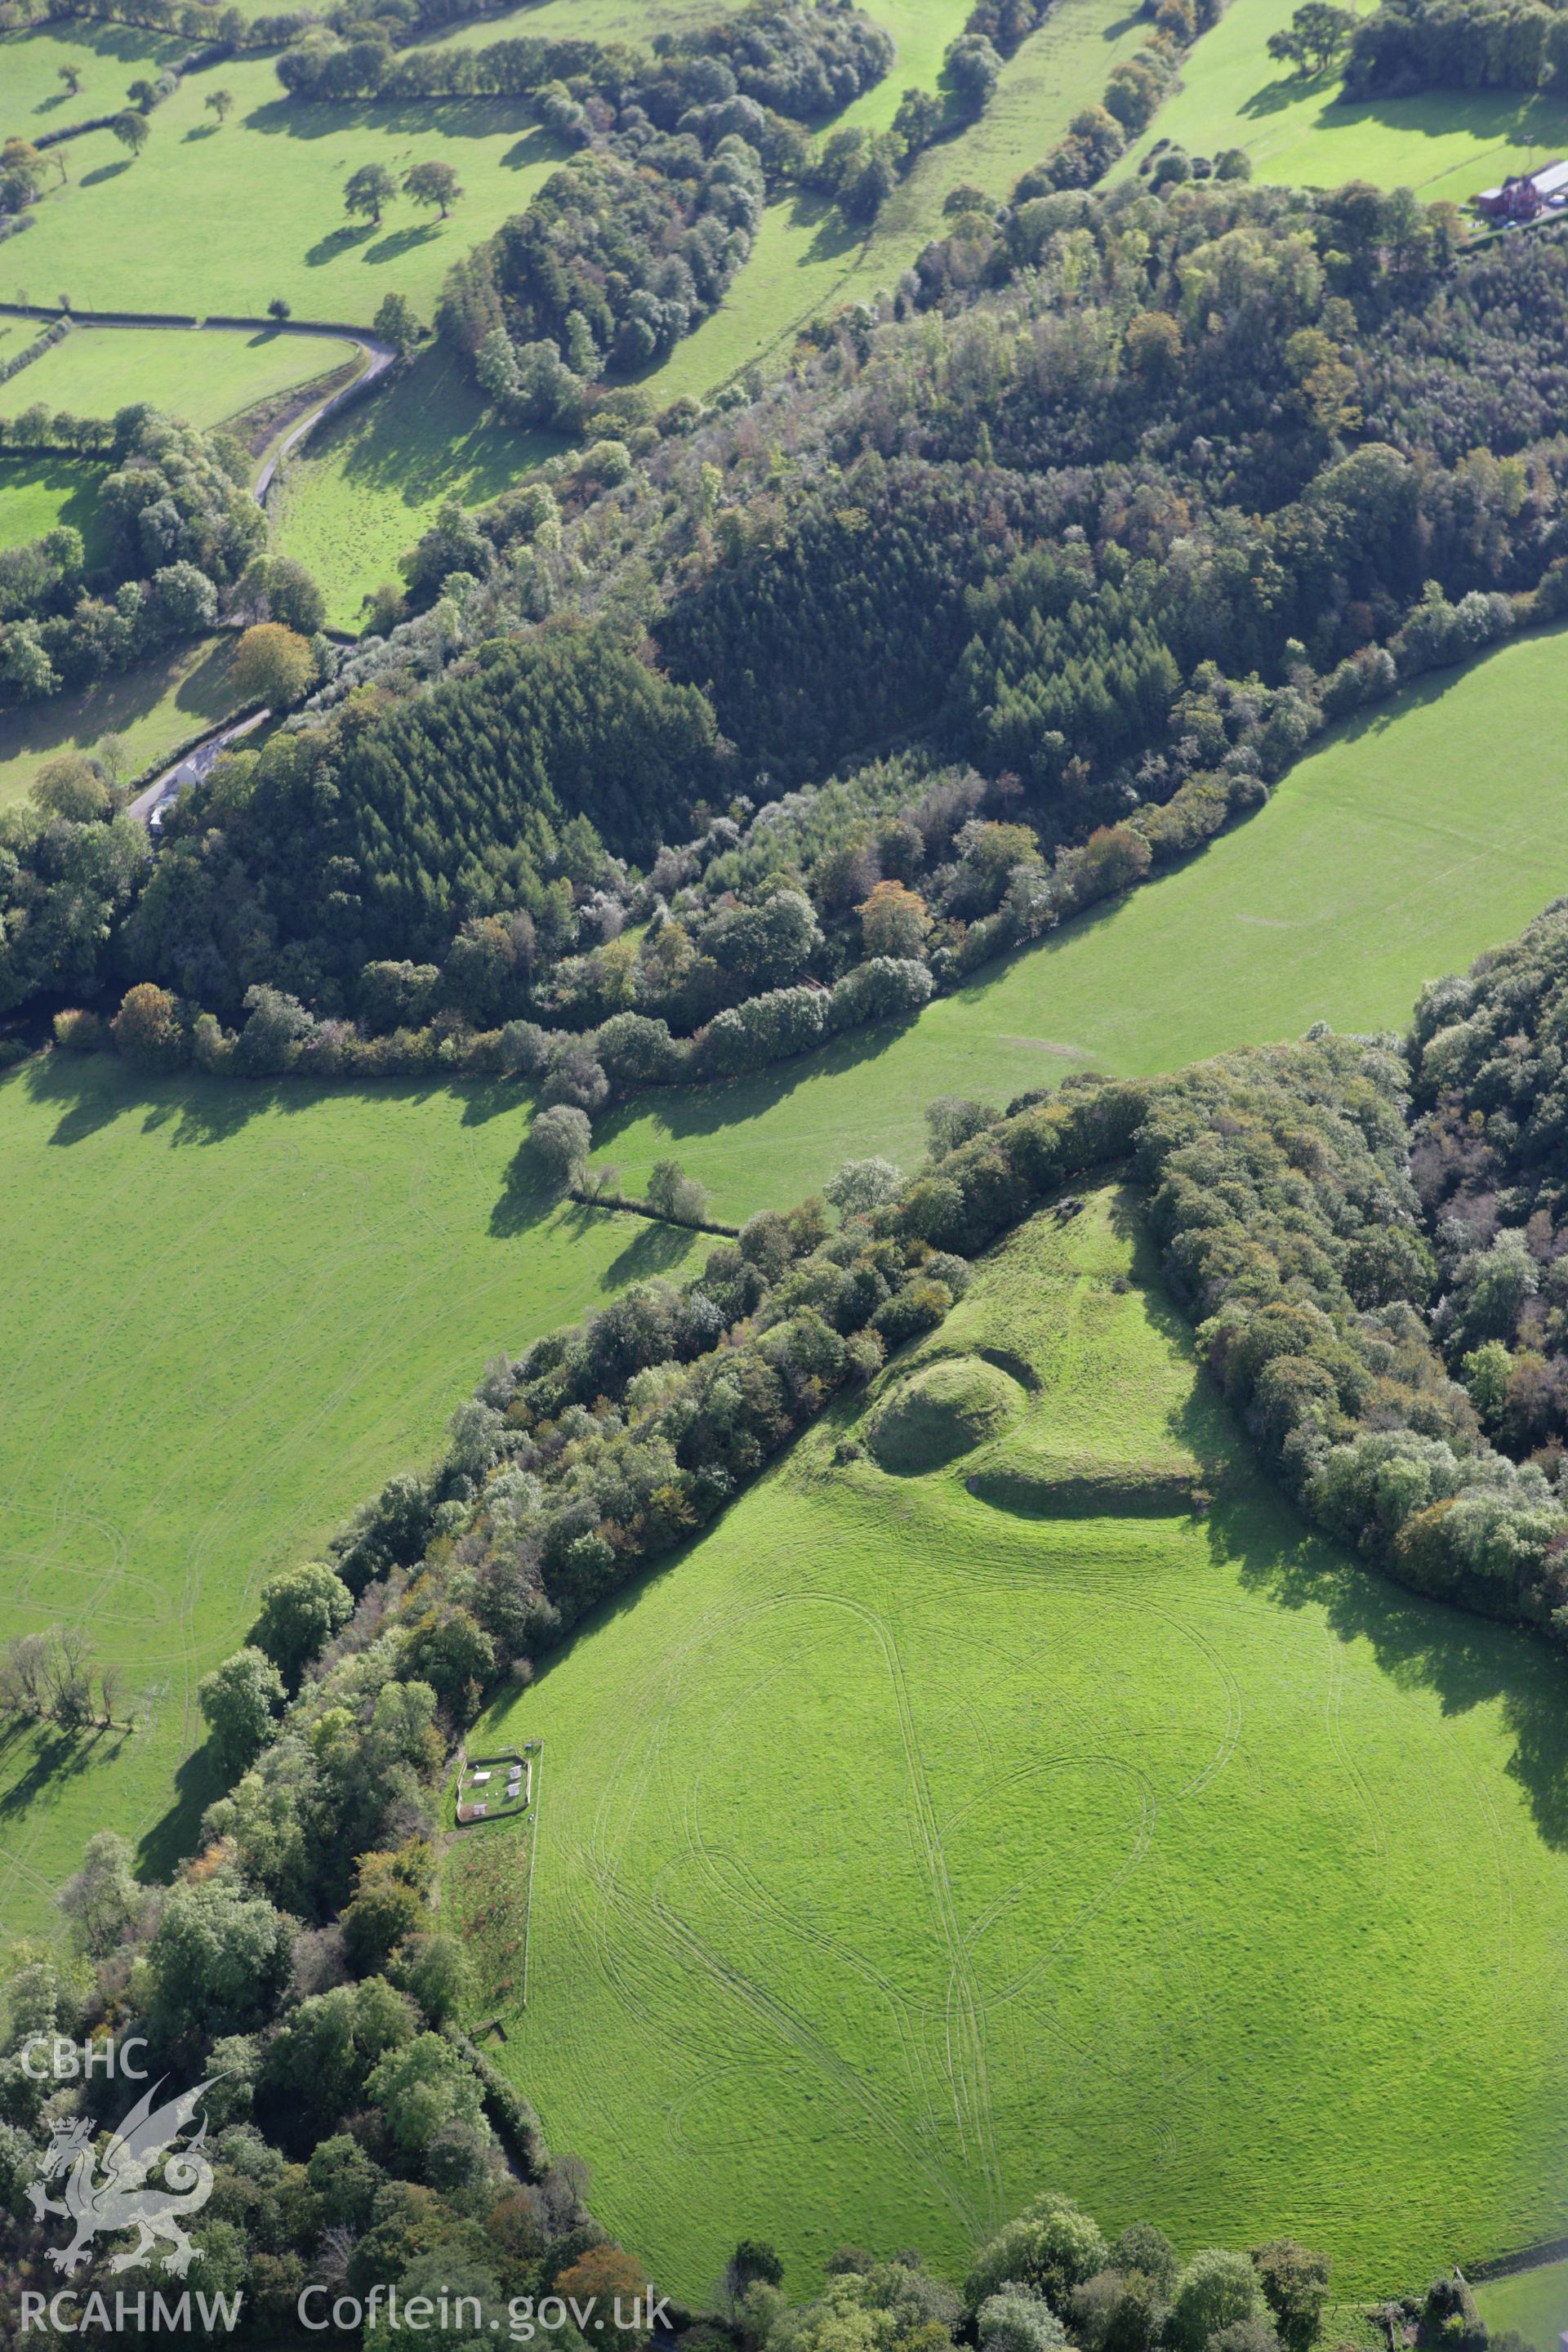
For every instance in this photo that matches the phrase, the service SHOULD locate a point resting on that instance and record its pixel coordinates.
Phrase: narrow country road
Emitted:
(190, 768)
(378, 357)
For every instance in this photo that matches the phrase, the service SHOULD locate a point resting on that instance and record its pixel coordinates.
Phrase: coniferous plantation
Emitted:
(970, 1752)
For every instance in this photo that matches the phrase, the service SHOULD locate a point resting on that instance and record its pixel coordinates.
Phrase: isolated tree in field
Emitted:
(72, 76)
(273, 665)
(110, 1682)
(239, 1699)
(131, 129)
(22, 1674)
(103, 1897)
(433, 184)
(369, 191)
(280, 309)
(67, 1678)
(221, 103)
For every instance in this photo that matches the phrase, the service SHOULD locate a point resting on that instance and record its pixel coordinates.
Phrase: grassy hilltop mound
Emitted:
(945, 1410)
(899, 1851)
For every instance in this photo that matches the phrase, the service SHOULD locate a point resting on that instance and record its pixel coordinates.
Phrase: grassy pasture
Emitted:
(204, 378)
(210, 219)
(373, 480)
(33, 97)
(37, 493)
(184, 692)
(901, 1856)
(1533, 2303)
(633, 21)
(1410, 840)
(1445, 143)
(229, 1316)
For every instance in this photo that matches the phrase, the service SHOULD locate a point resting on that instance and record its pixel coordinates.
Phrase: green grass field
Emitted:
(634, 21)
(1447, 143)
(33, 98)
(204, 378)
(229, 1316)
(1410, 841)
(1534, 2303)
(185, 692)
(37, 493)
(372, 481)
(901, 1856)
(209, 219)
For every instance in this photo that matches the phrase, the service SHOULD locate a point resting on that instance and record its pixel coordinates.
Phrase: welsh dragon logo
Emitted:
(118, 2195)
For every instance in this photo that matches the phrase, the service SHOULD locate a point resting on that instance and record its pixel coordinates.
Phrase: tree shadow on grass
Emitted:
(104, 172)
(79, 483)
(58, 1757)
(526, 1199)
(337, 243)
(475, 118)
(175, 1835)
(689, 1112)
(402, 241)
(1287, 90)
(654, 1248)
(536, 146)
(1202, 1425)
(1419, 1644)
(429, 436)
(90, 1092)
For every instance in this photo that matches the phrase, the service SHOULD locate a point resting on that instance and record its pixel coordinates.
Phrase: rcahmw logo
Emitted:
(145, 2182)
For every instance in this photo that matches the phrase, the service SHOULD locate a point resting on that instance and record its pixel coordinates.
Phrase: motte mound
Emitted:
(945, 1409)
